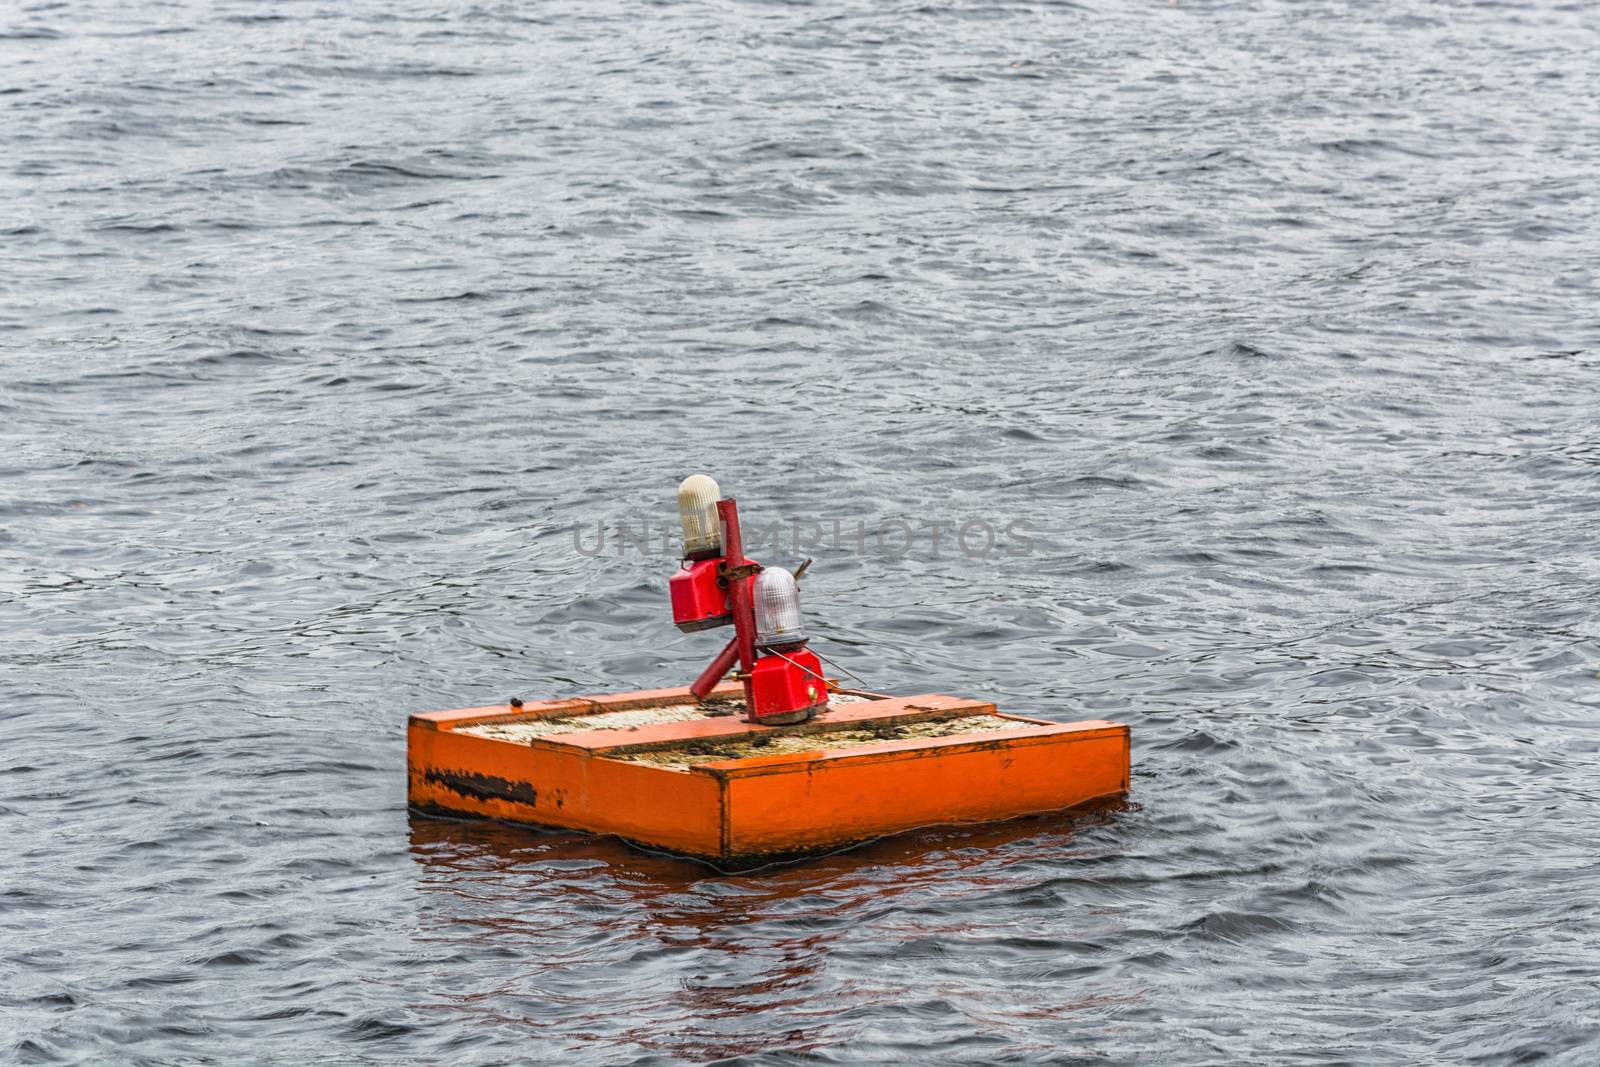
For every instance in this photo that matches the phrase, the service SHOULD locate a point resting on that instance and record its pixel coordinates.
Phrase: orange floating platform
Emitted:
(664, 771)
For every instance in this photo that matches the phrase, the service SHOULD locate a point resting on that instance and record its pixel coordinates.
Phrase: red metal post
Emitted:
(739, 596)
(713, 674)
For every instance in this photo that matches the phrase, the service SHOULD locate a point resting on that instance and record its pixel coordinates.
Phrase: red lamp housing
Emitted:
(787, 686)
(787, 681)
(699, 592)
(699, 600)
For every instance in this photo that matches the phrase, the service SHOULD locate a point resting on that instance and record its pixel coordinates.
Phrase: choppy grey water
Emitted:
(1276, 323)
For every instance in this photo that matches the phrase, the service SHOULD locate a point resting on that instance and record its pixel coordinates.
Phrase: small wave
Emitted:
(1107, 481)
(1370, 148)
(138, 227)
(1236, 926)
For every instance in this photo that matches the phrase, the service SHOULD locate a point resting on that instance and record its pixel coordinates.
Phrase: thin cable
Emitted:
(842, 669)
(802, 666)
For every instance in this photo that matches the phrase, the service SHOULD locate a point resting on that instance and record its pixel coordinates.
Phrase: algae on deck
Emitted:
(525, 731)
(775, 744)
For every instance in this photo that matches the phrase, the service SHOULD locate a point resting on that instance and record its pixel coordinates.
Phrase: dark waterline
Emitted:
(1276, 323)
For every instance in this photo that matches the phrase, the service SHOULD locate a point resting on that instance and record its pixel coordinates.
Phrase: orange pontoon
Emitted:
(666, 771)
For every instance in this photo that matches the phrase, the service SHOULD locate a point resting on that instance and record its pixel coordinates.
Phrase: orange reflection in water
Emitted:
(584, 939)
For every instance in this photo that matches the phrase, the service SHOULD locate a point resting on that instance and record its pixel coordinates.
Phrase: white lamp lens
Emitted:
(777, 606)
(697, 507)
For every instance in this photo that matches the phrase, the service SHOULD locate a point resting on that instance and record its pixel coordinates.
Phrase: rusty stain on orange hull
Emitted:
(734, 812)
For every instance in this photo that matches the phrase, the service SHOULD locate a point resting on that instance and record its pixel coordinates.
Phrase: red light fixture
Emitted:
(699, 597)
(717, 584)
(787, 680)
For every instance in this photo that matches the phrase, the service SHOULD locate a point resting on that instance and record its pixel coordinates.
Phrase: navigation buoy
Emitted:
(776, 761)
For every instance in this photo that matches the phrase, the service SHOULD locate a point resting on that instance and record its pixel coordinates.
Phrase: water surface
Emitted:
(1276, 324)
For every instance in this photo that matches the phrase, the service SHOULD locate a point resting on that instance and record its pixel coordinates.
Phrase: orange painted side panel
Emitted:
(850, 797)
(550, 785)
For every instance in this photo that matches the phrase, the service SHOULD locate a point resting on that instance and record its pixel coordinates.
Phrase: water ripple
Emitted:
(1264, 337)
